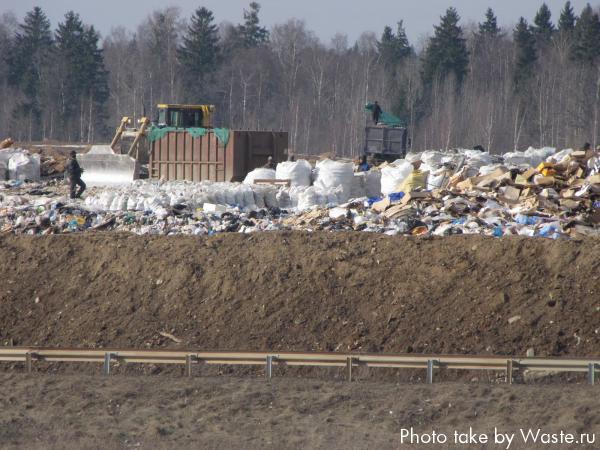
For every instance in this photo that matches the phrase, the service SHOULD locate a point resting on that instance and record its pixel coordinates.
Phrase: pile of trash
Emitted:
(534, 193)
(538, 192)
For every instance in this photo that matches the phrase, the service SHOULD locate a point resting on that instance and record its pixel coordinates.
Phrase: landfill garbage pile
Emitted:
(531, 193)
(152, 207)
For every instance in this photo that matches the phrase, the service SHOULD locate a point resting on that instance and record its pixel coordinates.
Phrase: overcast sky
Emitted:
(324, 17)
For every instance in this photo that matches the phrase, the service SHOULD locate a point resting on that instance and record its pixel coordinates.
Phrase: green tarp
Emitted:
(222, 135)
(156, 133)
(386, 118)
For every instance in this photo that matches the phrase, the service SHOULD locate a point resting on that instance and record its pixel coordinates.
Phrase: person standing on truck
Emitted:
(376, 112)
(74, 171)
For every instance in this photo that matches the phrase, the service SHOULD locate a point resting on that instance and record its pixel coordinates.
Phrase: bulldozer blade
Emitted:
(103, 167)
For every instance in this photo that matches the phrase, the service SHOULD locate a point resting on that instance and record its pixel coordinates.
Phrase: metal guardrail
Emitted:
(430, 363)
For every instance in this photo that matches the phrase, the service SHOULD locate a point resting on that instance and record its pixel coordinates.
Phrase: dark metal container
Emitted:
(180, 156)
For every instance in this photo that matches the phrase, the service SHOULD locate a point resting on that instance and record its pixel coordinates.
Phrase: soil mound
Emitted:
(300, 291)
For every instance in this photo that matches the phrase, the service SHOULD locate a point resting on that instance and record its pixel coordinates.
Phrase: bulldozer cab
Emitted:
(185, 116)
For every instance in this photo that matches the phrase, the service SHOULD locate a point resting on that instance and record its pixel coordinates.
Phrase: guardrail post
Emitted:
(188, 365)
(28, 362)
(349, 362)
(269, 367)
(592, 373)
(430, 364)
(509, 371)
(107, 357)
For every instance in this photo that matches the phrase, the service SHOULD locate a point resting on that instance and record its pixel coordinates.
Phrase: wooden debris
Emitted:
(545, 181)
(382, 205)
(170, 336)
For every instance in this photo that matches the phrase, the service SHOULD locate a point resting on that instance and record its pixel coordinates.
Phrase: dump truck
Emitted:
(387, 140)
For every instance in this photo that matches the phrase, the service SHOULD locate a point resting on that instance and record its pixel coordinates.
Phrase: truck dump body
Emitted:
(180, 156)
(385, 142)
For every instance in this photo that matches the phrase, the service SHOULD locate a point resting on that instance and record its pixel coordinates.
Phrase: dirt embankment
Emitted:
(297, 291)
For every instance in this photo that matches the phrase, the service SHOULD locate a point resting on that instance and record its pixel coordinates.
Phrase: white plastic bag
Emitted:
(560, 156)
(359, 185)
(260, 174)
(373, 183)
(283, 198)
(298, 172)
(393, 175)
(247, 196)
(271, 197)
(332, 174)
(436, 179)
(24, 167)
(477, 159)
(432, 158)
(486, 170)
(531, 157)
(309, 198)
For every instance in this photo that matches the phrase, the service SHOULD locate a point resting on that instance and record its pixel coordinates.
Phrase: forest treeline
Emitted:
(535, 84)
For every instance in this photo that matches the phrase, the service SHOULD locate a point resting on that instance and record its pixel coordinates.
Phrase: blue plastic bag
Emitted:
(550, 231)
(395, 196)
(527, 220)
(372, 200)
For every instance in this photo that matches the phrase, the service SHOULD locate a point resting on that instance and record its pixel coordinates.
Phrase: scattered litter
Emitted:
(537, 193)
(170, 336)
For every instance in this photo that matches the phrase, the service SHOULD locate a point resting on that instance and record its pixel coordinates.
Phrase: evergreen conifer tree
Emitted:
(393, 48)
(28, 61)
(199, 54)
(566, 23)
(97, 86)
(525, 54)
(252, 34)
(71, 55)
(489, 28)
(386, 47)
(586, 46)
(83, 77)
(403, 47)
(543, 27)
(447, 51)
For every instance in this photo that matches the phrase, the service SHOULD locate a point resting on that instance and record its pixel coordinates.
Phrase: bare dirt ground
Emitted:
(291, 291)
(301, 291)
(51, 411)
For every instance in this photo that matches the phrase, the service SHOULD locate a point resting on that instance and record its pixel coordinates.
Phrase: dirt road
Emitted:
(42, 411)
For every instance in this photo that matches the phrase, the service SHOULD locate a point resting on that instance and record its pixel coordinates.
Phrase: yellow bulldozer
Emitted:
(119, 163)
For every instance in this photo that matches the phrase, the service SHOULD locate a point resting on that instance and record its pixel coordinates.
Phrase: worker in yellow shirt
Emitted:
(415, 181)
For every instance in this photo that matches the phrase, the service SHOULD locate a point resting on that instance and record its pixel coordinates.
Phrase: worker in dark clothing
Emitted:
(376, 112)
(74, 172)
(270, 163)
(363, 165)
